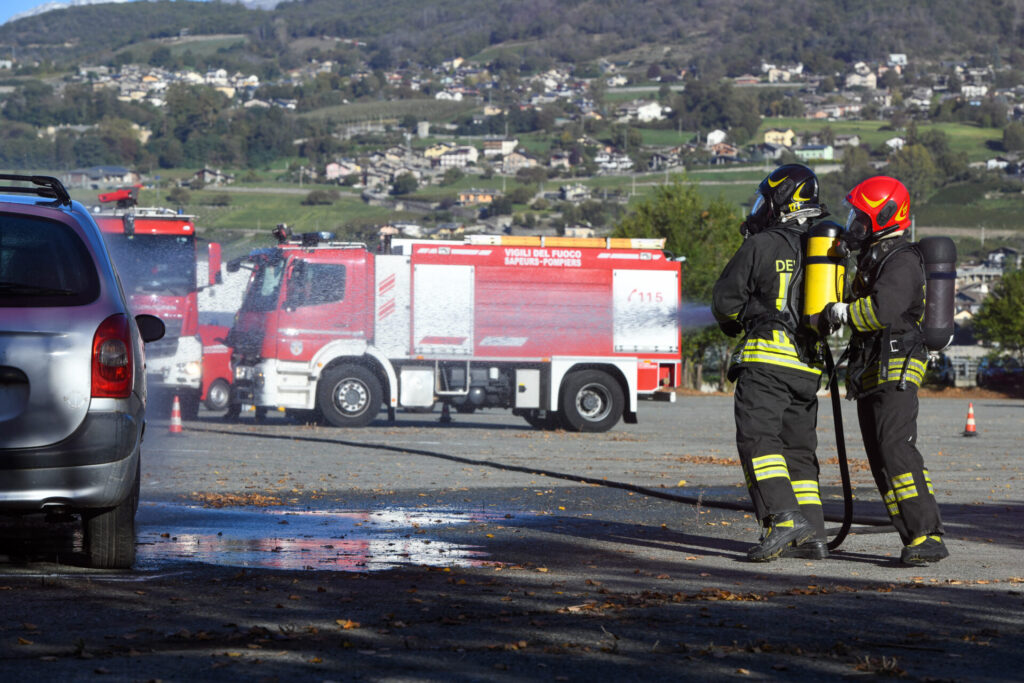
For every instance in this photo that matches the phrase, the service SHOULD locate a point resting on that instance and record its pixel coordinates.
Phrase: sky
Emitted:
(8, 8)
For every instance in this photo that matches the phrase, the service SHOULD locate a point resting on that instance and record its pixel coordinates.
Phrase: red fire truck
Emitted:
(566, 332)
(155, 252)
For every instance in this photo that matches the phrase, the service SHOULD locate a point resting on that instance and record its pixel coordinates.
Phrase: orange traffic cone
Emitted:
(970, 429)
(175, 427)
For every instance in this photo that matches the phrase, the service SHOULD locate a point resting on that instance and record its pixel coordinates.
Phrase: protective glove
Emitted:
(731, 328)
(831, 318)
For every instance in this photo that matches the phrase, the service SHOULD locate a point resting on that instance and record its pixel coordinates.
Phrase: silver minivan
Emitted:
(72, 377)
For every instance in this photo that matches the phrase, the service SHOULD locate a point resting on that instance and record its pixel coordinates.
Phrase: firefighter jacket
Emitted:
(886, 342)
(759, 294)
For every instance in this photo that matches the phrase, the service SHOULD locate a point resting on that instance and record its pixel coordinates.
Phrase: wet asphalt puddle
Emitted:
(280, 538)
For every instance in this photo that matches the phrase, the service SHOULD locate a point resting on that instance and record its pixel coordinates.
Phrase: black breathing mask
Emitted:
(757, 219)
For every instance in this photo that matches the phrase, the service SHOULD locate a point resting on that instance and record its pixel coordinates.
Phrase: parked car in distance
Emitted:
(1000, 374)
(941, 372)
(72, 371)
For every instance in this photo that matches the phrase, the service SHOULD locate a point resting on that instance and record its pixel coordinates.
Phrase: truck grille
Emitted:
(163, 348)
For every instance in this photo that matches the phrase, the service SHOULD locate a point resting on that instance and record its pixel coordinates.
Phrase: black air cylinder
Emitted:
(939, 254)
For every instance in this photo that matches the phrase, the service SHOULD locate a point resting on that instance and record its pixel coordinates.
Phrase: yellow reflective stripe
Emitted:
(915, 372)
(890, 503)
(780, 301)
(869, 314)
(862, 315)
(806, 492)
(781, 361)
(928, 482)
(903, 479)
(904, 486)
(778, 344)
(906, 494)
(769, 467)
(776, 351)
(772, 473)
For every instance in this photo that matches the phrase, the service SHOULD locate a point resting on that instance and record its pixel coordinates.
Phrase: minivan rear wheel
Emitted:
(109, 535)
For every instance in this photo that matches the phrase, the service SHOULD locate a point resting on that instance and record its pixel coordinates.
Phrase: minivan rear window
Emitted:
(44, 263)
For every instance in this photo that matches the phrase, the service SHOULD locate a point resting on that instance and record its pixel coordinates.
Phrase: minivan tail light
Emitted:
(112, 358)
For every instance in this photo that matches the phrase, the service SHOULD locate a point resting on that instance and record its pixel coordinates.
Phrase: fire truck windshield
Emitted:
(158, 264)
(263, 290)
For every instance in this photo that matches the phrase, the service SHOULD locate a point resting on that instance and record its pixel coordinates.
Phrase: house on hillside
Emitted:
(1003, 257)
(573, 193)
(516, 161)
(815, 153)
(474, 196)
(338, 170)
(724, 149)
(846, 140)
(779, 136)
(862, 77)
(560, 160)
(435, 151)
(769, 152)
(499, 147)
(209, 176)
(579, 231)
(660, 161)
(459, 157)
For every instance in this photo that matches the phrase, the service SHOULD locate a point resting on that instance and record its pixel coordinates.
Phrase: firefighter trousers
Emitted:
(776, 417)
(888, 425)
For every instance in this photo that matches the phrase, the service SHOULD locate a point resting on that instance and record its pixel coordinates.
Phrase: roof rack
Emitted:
(46, 186)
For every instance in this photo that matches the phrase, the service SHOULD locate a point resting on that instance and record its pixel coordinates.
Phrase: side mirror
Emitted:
(151, 328)
(214, 261)
(295, 295)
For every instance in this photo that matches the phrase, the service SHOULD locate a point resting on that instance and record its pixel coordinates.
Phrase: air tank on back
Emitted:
(939, 254)
(824, 269)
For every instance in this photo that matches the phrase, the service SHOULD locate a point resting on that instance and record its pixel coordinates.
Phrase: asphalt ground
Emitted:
(484, 550)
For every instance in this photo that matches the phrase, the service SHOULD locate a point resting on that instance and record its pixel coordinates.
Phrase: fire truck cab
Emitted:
(155, 253)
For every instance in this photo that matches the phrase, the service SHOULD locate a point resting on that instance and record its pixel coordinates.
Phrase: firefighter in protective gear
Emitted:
(774, 367)
(888, 359)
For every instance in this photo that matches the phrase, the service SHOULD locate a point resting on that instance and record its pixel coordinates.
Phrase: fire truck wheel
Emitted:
(218, 394)
(349, 396)
(592, 401)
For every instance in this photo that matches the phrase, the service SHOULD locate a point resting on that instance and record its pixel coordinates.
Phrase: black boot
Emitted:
(924, 549)
(808, 550)
(784, 528)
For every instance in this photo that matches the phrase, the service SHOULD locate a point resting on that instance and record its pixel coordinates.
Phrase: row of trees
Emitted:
(198, 127)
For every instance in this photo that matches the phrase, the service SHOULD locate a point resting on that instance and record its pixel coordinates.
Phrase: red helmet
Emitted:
(879, 206)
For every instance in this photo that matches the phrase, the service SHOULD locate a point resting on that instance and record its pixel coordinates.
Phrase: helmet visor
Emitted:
(858, 226)
(850, 218)
(758, 205)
